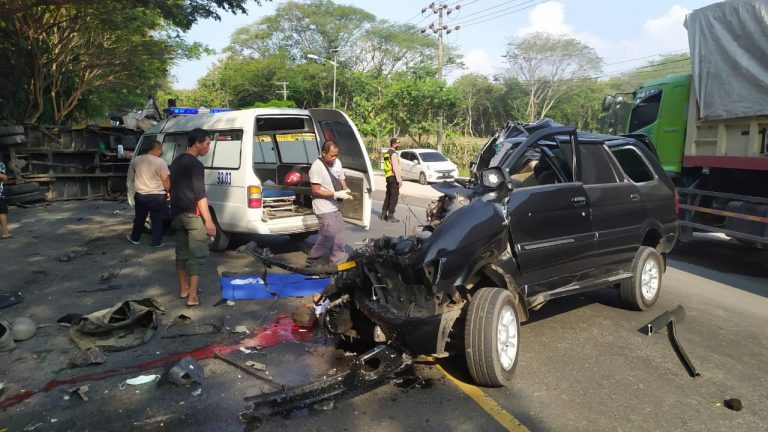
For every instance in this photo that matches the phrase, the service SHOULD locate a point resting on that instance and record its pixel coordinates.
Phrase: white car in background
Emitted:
(427, 166)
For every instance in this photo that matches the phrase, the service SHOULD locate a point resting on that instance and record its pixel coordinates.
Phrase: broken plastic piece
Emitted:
(185, 372)
(197, 392)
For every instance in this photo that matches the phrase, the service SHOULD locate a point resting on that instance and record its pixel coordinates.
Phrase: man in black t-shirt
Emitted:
(189, 204)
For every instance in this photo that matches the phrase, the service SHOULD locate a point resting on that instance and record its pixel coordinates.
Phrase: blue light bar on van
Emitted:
(182, 110)
(218, 110)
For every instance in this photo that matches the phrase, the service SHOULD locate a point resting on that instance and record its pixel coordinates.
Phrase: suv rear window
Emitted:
(297, 148)
(633, 164)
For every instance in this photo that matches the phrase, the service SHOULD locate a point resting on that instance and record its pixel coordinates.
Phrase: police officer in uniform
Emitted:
(394, 181)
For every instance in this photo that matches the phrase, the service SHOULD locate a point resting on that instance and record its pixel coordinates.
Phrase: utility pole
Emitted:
(442, 10)
(284, 91)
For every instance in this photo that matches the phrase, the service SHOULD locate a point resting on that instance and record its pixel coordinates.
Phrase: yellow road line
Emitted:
(505, 419)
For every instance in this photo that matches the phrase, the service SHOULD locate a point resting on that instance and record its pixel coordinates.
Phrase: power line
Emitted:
(493, 16)
(502, 4)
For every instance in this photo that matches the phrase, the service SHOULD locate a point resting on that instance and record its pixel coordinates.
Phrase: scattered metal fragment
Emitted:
(733, 404)
(8, 298)
(185, 372)
(80, 391)
(93, 355)
(250, 371)
(668, 320)
(369, 371)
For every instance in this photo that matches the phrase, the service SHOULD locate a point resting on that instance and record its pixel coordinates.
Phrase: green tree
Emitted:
(545, 63)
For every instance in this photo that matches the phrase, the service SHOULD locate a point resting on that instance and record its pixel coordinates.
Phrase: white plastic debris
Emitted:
(197, 392)
(141, 379)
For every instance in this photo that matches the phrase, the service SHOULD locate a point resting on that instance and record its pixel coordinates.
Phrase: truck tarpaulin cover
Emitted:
(729, 52)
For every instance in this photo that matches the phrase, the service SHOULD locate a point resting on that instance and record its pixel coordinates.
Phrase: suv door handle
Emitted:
(579, 201)
(634, 196)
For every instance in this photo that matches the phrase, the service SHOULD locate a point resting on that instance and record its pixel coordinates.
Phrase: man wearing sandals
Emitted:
(192, 219)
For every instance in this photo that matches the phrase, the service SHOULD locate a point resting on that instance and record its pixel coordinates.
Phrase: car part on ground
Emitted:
(669, 319)
(370, 370)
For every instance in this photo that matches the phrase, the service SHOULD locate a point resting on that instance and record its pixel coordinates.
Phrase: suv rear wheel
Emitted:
(491, 337)
(642, 290)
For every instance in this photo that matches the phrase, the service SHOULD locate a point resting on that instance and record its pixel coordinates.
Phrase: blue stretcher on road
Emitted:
(278, 285)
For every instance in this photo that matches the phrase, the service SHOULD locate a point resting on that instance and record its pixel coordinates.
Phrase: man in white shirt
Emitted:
(328, 188)
(152, 182)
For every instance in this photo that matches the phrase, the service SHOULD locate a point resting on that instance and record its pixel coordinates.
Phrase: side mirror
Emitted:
(608, 103)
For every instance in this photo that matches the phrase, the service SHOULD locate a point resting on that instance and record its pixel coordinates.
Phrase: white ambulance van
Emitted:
(251, 152)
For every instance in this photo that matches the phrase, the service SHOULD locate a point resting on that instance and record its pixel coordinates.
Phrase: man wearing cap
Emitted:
(394, 181)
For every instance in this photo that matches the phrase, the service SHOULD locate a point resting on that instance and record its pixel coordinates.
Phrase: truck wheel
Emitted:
(22, 188)
(491, 337)
(422, 178)
(642, 290)
(221, 239)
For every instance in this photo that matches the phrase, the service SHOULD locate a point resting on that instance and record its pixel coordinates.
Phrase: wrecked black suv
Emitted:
(549, 213)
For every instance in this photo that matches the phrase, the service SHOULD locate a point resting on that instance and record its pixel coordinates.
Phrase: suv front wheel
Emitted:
(642, 290)
(492, 337)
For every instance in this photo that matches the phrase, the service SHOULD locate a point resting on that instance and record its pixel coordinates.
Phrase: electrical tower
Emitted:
(443, 11)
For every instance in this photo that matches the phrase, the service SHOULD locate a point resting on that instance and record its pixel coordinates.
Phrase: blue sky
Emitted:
(626, 33)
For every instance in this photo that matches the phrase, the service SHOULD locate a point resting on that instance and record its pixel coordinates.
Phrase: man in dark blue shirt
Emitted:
(189, 204)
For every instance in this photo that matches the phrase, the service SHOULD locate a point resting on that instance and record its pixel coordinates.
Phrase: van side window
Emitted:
(633, 164)
(144, 144)
(297, 147)
(224, 151)
(263, 150)
(228, 144)
(173, 146)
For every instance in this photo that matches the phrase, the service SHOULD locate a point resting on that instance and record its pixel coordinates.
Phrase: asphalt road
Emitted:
(584, 364)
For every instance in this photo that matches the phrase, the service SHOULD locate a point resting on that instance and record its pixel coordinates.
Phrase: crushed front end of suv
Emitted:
(548, 212)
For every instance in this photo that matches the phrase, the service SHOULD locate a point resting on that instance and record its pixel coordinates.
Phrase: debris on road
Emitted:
(189, 329)
(733, 404)
(23, 328)
(69, 320)
(79, 390)
(250, 371)
(668, 320)
(125, 325)
(139, 380)
(256, 365)
(6, 337)
(87, 357)
(9, 298)
(185, 372)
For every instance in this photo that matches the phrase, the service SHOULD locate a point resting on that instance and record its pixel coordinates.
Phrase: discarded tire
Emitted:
(27, 198)
(11, 130)
(21, 189)
(6, 338)
(13, 140)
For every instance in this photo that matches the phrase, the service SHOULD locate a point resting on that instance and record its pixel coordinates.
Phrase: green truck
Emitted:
(709, 128)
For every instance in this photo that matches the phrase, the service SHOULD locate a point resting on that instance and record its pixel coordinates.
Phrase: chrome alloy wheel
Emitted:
(506, 335)
(649, 280)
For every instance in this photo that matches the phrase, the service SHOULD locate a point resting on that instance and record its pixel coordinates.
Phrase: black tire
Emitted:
(11, 140)
(300, 237)
(11, 130)
(487, 309)
(21, 189)
(221, 239)
(27, 198)
(641, 291)
(422, 178)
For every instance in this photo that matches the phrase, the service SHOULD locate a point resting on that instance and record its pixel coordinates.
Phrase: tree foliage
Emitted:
(546, 64)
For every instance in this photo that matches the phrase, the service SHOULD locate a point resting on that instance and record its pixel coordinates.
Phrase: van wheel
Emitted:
(221, 239)
(642, 290)
(491, 337)
(422, 178)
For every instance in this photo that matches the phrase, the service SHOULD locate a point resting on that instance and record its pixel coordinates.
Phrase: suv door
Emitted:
(335, 125)
(616, 205)
(550, 224)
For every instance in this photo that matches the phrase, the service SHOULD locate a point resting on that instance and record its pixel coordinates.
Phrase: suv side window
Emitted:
(633, 164)
(594, 165)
